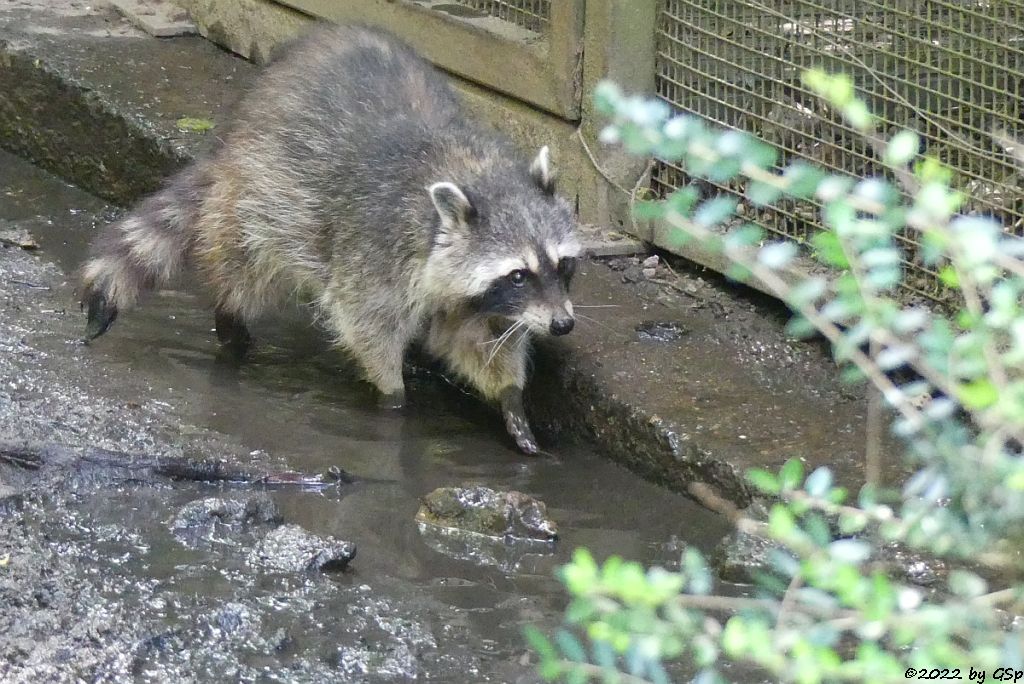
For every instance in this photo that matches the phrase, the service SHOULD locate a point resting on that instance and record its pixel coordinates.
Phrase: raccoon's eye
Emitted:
(567, 267)
(517, 277)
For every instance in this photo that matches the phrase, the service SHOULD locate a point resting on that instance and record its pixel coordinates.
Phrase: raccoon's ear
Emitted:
(452, 205)
(540, 171)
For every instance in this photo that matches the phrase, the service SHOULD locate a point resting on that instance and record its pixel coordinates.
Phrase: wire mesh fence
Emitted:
(532, 15)
(953, 70)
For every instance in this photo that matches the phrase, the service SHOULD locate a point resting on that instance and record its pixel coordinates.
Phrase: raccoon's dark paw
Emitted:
(391, 400)
(520, 431)
(232, 334)
(527, 443)
(515, 420)
(101, 316)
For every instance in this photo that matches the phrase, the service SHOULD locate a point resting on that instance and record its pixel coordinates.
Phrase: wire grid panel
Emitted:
(532, 15)
(953, 70)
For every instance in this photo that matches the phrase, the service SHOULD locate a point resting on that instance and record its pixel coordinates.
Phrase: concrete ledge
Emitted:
(722, 391)
(95, 101)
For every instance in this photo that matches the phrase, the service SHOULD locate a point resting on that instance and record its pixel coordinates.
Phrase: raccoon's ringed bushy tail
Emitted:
(141, 252)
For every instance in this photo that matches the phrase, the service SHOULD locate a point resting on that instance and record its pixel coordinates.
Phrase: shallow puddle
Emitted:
(407, 606)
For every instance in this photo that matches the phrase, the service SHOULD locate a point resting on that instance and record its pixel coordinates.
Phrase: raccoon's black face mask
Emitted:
(539, 298)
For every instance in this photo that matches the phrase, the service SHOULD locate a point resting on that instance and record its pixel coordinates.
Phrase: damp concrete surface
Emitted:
(95, 582)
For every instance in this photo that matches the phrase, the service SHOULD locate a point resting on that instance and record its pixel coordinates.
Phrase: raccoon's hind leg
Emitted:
(232, 331)
(377, 340)
(493, 361)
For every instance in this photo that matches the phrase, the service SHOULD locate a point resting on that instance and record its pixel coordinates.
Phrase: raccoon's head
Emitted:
(507, 247)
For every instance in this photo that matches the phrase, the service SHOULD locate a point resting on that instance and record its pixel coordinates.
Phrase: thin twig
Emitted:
(873, 433)
(788, 598)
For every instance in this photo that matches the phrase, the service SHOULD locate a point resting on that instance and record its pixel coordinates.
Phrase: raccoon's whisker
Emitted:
(597, 322)
(503, 335)
(525, 335)
(596, 306)
(501, 342)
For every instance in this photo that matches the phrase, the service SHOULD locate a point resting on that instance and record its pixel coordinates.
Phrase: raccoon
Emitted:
(352, 178)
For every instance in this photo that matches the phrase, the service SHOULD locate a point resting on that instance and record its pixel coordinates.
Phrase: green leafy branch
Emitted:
(827, 609)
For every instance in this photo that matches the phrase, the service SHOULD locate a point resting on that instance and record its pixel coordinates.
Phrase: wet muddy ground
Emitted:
(97, 584)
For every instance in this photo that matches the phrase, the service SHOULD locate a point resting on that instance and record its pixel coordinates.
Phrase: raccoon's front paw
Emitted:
(101, 315)
(521, 432)
(391, 400)
(515, 421)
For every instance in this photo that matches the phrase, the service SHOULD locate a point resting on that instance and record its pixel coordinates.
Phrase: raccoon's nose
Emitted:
(562, 326)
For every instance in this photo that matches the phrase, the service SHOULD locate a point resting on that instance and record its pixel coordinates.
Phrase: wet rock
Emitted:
(252, 510)
(289, 548)
(912, 567)
(531, 556)
(661, 331)
(484, 511)
(10, 499)
(234, 619)
(18, 237)
(741, 557)
(651, 262)
(623, 263)
(632, 274)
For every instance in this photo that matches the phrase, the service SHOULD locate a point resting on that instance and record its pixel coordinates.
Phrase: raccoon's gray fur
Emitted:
(352, 177)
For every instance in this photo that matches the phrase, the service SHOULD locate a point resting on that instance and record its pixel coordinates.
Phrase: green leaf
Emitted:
(604, 654)
(858, 115)
(682, 200)
(607, 97)
(539, 643)
(931, 170)
(761, 155)
(816, 80)
(808, 291)
(744, 236)
(734, 637)
(800, 328)
(189, 124)
(802, 179)
(570, 646)
(850, 551)
(580, 611)
(828, 250)
(581, 576)
(657, 673)
(577, 676)
(781, 522)
(697, 571)
(967, 584)
(902, 148)
(715, 210)
(648, 210)
(723, 171)
(777, 255)
(850, 523)
(949, 277)
(792, 474)
(764, 480)
(762, 194)
(819, 481)
(738, 273)
(978, 395)
(816, 527)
